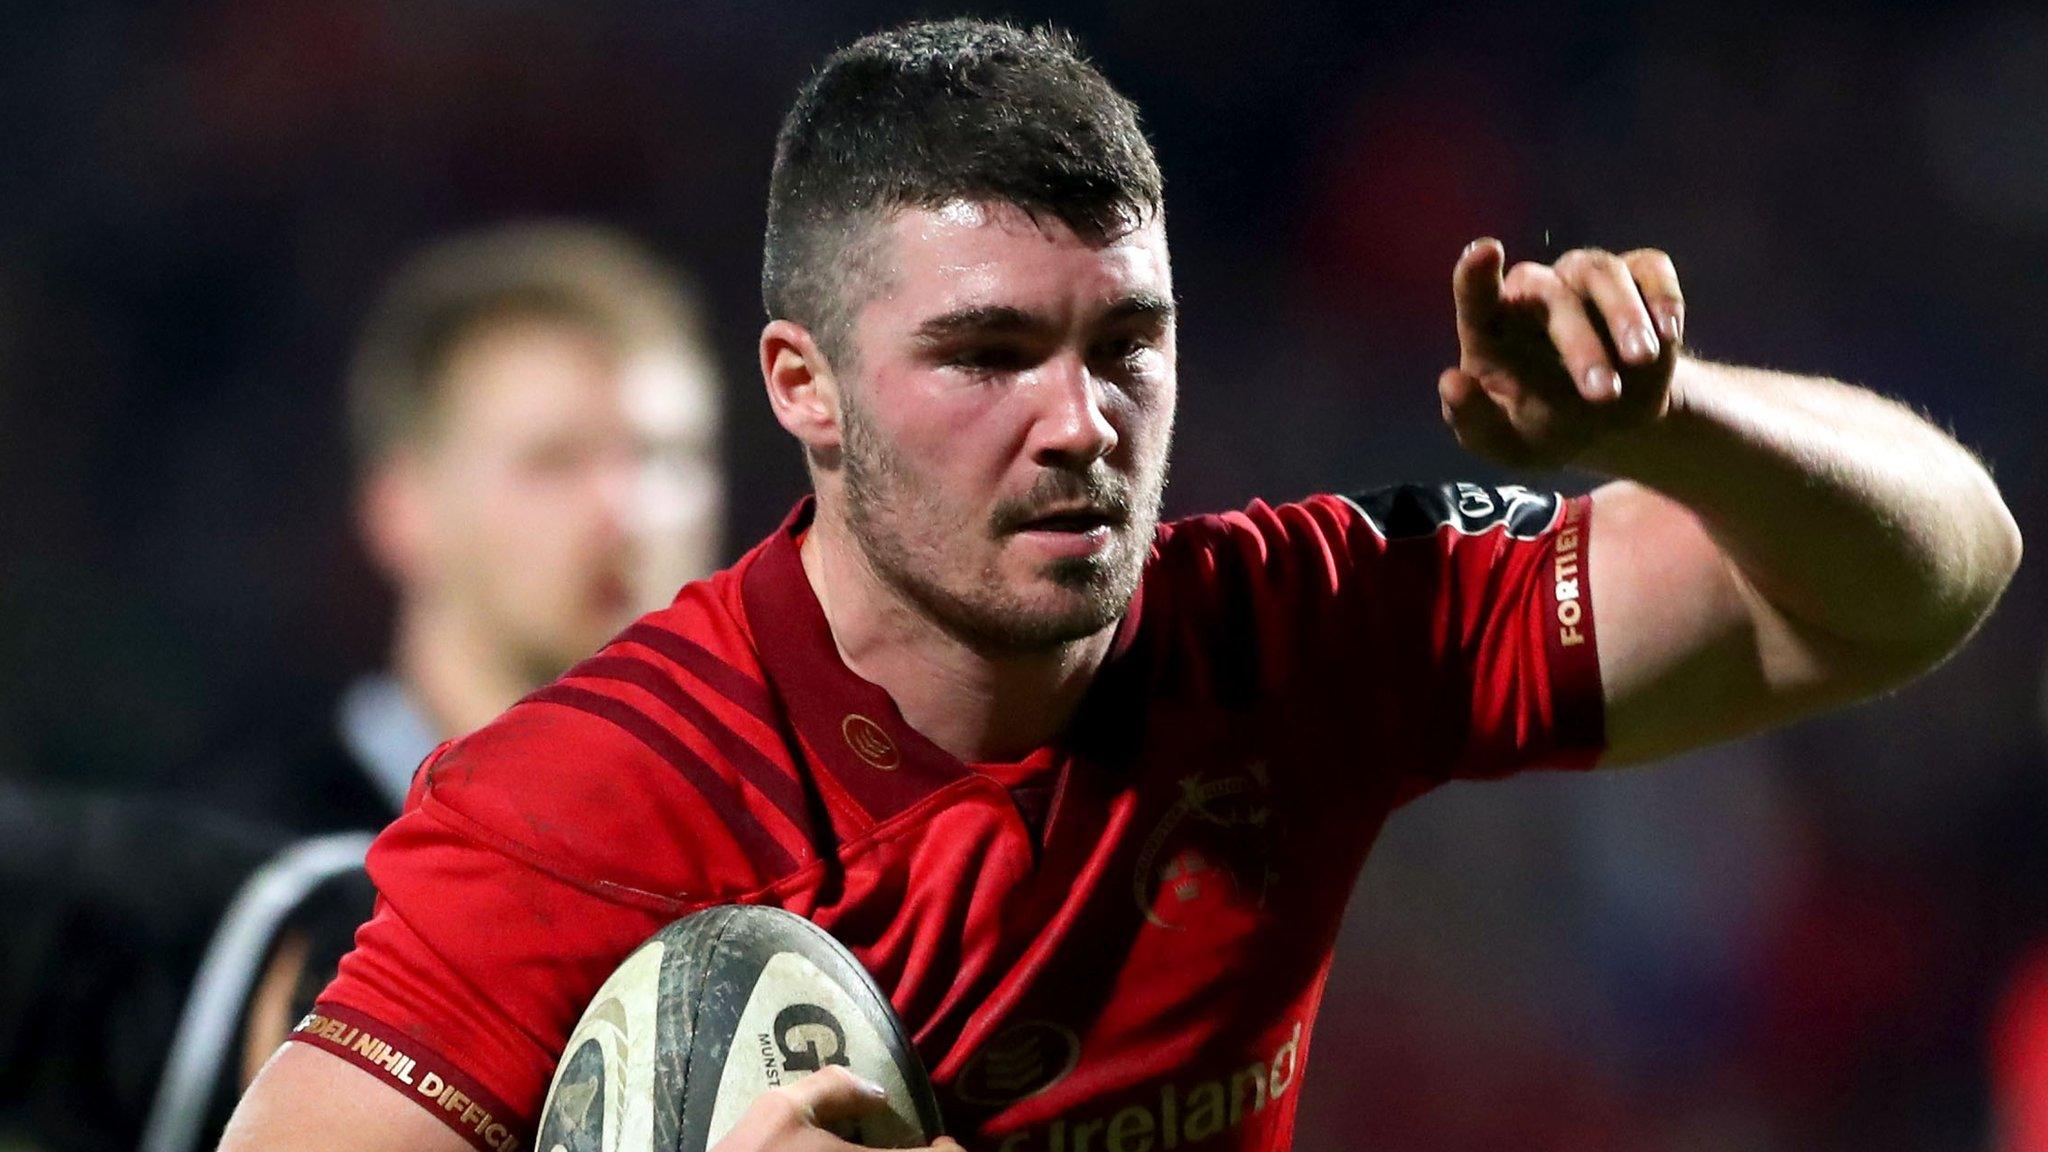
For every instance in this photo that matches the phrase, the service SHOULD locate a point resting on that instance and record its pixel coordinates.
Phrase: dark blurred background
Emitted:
(1791, 943)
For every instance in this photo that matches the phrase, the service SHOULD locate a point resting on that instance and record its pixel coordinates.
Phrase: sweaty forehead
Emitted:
(967, 254)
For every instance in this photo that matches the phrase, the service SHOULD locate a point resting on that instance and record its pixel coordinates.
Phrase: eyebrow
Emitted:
(993, 319)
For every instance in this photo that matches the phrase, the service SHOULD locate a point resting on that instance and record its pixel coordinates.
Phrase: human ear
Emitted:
(802, 390)
(394, 517)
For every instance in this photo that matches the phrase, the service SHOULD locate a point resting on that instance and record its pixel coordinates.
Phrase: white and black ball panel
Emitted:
(605, 1095)
(714, 1010)
(782, 999)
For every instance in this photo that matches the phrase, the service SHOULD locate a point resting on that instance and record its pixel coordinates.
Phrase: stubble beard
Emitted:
(900, 530)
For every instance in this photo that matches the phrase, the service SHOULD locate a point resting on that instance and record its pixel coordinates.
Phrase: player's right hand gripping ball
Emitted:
(715, 1010)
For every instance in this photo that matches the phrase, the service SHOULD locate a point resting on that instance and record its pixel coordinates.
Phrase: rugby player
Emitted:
(535, 419)
(535, 422)
(1086, 792)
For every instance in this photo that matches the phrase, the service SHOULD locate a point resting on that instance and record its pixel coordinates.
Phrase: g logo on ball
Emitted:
(810, 1038)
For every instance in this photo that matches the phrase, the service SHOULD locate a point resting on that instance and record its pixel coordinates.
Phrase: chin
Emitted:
(1064, 613)
(1024, 622)
(1041, 633)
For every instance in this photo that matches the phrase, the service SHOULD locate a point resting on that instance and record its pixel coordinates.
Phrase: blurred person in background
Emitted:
(536, 417)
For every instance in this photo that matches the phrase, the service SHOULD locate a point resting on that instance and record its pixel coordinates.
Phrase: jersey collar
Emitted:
(851, 724)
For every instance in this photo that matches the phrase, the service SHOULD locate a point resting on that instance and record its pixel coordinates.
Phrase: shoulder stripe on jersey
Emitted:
(727, 680)
(779, 786)
(724, 799)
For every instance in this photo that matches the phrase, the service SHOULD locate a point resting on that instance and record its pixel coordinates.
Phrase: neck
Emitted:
(976, 705)
(451, 671)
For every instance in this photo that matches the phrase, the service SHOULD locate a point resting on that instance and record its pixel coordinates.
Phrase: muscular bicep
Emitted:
(307, 1100)
(1690, 653)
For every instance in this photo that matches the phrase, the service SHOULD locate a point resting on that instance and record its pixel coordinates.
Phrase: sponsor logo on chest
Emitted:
(1182, 1111)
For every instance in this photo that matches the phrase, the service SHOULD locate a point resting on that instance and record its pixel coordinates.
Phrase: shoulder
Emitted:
(1283, 584)
(1259, 540)
(655, 766)
(1329, 531)
(1306, 548)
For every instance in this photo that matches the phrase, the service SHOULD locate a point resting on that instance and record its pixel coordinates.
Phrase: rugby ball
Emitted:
(711, 1012)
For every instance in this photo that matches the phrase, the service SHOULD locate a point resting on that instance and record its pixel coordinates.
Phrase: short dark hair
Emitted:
(937, 111)
(582, 275)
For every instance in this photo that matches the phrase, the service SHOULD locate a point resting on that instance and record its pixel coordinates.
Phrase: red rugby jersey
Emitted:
(1140, 973)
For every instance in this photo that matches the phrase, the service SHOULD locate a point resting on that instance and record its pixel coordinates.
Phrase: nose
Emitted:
(617, 483)
(1073, 429)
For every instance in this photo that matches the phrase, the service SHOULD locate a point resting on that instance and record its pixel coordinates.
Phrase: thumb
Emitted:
(835, 1095)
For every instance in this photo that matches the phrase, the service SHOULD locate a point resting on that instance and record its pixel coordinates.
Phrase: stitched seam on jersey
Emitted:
(725, 799)
(485, 837)
(701, 662)
(468, 828)
(781, 789)
(472, 829)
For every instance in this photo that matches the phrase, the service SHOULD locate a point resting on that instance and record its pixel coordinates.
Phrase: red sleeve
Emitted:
(1435, 632)
(1491, 602)
(533, 856)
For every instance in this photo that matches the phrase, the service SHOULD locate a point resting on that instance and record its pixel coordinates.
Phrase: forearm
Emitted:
(1844, 511)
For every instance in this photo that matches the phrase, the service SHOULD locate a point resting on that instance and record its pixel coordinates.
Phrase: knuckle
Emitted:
(1654, 262)
(781, 1109)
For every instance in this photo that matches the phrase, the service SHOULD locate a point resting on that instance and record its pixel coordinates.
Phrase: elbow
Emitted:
(1984, 556)
(1997, 562)
(1994, 558)
(1964, 575)
(2009, 548)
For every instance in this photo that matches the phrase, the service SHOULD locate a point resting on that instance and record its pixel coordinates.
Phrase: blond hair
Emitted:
(587, 276)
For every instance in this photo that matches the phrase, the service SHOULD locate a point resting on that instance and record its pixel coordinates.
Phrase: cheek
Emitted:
(955, 443)
(524, 531)
(1149, 422)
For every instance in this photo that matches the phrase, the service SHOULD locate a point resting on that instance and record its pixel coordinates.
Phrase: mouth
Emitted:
(1074, 521)
(1082, 532)
(611, 592)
